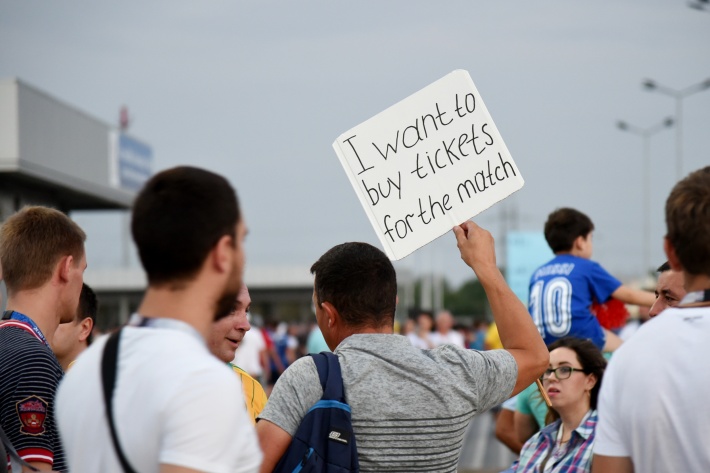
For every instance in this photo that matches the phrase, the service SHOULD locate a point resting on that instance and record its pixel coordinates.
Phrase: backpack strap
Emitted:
(331, 379)
(109, 363)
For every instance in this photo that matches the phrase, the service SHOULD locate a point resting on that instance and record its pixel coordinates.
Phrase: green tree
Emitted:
(468, 299)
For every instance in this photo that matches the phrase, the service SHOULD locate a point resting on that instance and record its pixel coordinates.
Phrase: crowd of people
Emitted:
(189, 385)
(267, 349)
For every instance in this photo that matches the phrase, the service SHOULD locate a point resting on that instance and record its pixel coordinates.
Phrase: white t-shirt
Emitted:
(452, 336)
(174, 403)
(653, 405)
(248, 355)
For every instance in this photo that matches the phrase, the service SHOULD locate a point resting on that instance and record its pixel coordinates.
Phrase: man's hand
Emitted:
(477, 247)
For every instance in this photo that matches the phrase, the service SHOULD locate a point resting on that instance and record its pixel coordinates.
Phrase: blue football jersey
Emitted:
(561, 294)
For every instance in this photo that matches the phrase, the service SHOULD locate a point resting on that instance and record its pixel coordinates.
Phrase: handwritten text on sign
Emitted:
(428, 163)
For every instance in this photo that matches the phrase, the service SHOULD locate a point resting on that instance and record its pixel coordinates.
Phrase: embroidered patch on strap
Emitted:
(32, 412)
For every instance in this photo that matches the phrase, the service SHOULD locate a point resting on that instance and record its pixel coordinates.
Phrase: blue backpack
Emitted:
(325, 441)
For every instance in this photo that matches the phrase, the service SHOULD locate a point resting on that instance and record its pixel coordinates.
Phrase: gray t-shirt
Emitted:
(410, 407)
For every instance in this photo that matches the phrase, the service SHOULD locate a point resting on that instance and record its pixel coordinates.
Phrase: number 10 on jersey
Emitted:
(551, 306)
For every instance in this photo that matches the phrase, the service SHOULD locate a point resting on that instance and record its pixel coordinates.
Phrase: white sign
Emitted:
(428, 163)
(130, 162)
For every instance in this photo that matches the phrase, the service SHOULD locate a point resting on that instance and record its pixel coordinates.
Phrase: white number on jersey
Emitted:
(551, 306)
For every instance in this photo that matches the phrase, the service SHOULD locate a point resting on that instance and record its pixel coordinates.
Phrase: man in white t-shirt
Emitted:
(669, 292)
(174, 406)
(445, 332)
(653, 404)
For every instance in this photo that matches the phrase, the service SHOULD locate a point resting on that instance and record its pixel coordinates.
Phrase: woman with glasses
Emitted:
(572, 382)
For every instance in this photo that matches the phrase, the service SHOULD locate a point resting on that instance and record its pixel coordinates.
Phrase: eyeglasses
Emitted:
(561, 372)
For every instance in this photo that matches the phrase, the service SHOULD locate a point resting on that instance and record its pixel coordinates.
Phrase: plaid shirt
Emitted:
(574, 457)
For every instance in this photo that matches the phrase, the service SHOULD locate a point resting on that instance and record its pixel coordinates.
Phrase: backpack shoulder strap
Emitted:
(331, 379)
(109, 365)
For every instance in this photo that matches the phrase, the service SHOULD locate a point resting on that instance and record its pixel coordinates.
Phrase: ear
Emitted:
(331, 313)
(87, 325)
(222, 254)
(673, 260)
(64, 267)
(591, 381)
(578, 242)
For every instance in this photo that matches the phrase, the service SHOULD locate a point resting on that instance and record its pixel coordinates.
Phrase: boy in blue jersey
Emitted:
(563, 289)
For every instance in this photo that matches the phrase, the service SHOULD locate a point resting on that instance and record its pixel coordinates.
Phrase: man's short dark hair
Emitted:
(178, 217)
(663, 268)
(361, 283)
(688, 221)
(564, 226)
(88, 307)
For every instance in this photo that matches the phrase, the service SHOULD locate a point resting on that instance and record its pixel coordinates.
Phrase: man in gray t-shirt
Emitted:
(410, 407)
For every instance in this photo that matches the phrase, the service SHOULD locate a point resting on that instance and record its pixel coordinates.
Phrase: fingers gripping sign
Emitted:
(476, 245)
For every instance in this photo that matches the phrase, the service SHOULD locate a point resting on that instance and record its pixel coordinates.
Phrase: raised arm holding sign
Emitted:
(517, 331)
(419, 168)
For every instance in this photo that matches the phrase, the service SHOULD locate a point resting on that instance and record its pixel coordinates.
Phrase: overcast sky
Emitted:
(258, 91)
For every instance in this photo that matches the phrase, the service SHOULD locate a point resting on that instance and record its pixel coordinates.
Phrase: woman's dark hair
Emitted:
(592, 361)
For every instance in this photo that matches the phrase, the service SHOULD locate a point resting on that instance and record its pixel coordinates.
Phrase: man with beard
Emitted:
(226, 336)
(653, 414)
(43, 262)
(669, 289)
(173, 401)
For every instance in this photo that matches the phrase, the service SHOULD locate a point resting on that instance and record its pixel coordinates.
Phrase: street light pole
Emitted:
(679, 95)
(701, 5)
(645, 134)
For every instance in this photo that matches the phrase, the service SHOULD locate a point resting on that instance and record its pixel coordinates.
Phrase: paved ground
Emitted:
(482, 452)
